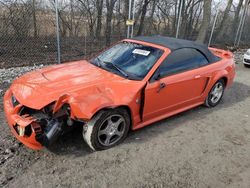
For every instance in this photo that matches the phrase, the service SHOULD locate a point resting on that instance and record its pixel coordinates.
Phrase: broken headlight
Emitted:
(14, 101)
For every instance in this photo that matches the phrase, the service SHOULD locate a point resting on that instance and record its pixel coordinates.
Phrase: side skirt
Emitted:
(143, 124)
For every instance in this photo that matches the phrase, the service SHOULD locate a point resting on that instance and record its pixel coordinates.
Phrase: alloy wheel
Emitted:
(111, 130)
(216, 92)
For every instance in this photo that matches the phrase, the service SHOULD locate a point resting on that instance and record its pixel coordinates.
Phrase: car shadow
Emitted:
(72, 143)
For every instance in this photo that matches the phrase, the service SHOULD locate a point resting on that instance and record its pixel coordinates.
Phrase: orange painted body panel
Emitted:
(13, 118)
(87, 89)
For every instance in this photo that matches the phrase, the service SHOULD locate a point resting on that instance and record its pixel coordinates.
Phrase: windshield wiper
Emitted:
(117, 68)
(96, 61)
(99, 62)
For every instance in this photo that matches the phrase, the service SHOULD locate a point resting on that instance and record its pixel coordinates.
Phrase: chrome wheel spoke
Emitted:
(213, 92)
(119, 133)
(214, 99)
(109, 121)
(216, 93)
(102, 132)
(107, 140)
(118, 122)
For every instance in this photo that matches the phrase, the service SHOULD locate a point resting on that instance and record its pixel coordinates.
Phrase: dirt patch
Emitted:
(199, 148)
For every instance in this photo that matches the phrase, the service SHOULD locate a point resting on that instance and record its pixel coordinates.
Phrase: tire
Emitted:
(107, 129)
(247, 66)
(216, 93)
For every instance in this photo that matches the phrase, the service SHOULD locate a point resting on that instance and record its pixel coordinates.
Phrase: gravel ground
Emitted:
(199, 148)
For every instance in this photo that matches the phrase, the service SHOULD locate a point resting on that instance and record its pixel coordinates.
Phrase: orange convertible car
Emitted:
(132, 84)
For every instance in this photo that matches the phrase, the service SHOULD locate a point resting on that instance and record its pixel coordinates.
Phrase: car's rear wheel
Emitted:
(107, 129)
(216, 93)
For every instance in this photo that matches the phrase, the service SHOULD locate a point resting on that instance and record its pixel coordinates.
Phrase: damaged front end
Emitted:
(37, 128)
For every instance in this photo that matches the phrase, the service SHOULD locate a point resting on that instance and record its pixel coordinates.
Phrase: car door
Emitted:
(178, 82)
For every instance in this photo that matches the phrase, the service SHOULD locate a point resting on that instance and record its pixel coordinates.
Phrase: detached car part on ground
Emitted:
(132, 84)
(246, 59)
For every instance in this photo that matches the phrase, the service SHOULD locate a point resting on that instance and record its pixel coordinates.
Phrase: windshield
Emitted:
(128, 59)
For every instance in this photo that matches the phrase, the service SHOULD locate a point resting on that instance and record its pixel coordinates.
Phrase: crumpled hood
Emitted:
(39, 88)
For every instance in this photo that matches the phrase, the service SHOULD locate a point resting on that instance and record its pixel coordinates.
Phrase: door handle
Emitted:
(197, 76)
(162, 85)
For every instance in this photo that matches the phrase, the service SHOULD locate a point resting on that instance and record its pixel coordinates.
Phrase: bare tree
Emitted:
(89, 10)
(142, 18)
(236, 16)
(19, 17)
(205, 21)
(110, 4)
(189, 13)
(224, 23)
(165, 8)
(125, 12)
(99, 7)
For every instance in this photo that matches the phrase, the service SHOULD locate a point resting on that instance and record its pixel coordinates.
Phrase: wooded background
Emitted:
(28, 27)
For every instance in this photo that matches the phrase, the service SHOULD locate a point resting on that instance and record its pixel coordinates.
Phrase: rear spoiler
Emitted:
(221, 53)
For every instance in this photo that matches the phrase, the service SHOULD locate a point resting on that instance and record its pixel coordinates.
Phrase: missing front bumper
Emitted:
(27, 129)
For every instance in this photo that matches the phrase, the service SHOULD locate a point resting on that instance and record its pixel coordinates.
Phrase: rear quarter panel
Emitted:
(223, 68)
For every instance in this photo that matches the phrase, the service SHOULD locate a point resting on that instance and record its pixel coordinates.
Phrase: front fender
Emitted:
(86, 103)
(86, 107)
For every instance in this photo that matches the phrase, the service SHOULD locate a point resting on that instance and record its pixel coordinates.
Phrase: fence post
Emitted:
(212, 32)
(240, 24)
(133, 18)
(85, 45)
(129, 17)
(243, 23)
(57, 34)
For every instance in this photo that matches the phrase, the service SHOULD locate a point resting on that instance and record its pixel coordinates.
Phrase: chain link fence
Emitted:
(231, 32)
(28, 32)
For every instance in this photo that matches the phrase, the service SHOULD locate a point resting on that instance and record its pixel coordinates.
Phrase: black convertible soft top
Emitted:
(175, 44)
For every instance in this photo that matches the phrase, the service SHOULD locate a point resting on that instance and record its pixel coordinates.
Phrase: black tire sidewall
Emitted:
(247, 66)
(94, 137)
(209, 102)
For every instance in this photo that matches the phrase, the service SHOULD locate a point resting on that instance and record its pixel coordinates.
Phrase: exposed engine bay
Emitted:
(46, 125)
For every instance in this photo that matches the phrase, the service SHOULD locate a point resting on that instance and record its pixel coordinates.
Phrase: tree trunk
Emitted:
(151, 20)
(224, 23)
(110, 7)
(173, 30)
(236, 16)
(119, 20)
(205, 21)
(99, 7)
(143, 14)
(125, 14)
(108, 28)
(71, 19)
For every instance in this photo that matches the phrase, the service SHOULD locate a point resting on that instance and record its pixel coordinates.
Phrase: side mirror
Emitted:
(157, 76)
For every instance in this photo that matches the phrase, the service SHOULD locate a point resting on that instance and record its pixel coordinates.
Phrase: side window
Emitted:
(182, 60)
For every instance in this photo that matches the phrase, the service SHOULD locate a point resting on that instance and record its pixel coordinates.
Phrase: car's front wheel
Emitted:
(107, 129)
(215, 94)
